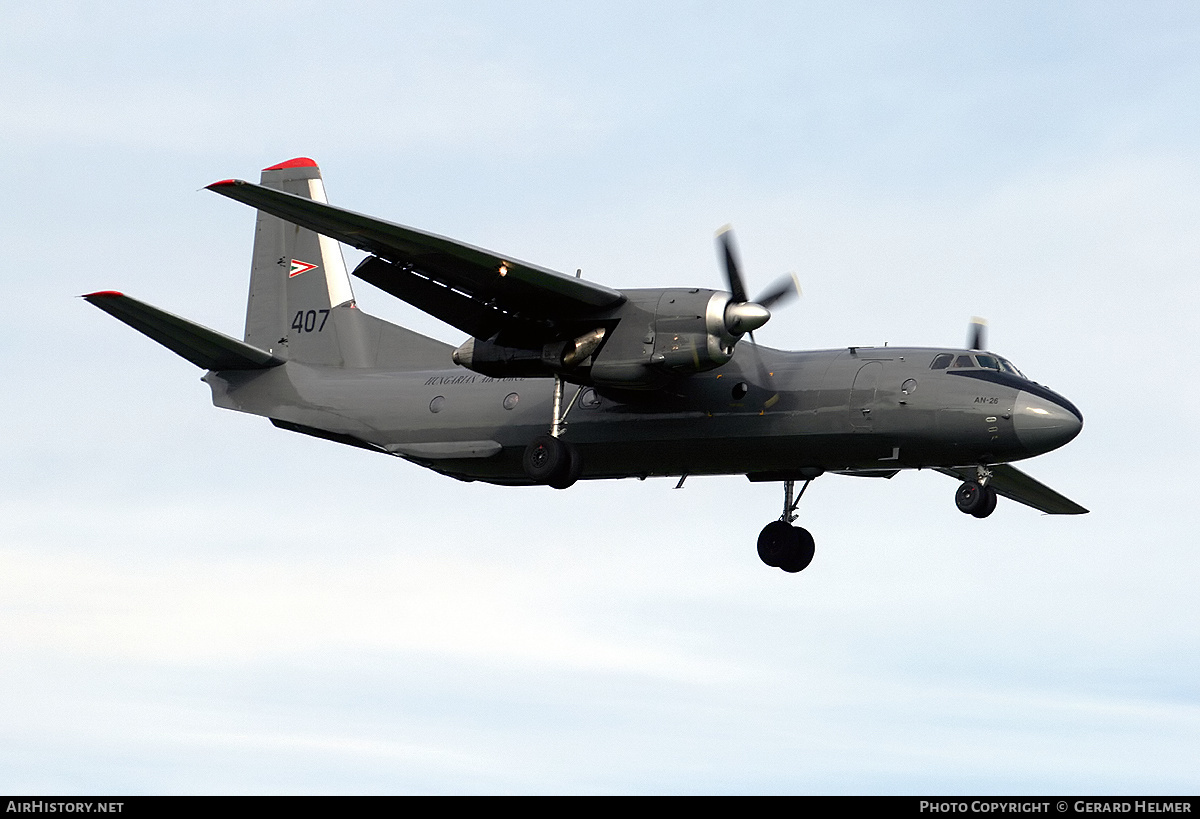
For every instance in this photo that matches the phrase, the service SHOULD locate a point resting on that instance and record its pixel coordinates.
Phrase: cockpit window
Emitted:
(985, 360)
(1006, 366)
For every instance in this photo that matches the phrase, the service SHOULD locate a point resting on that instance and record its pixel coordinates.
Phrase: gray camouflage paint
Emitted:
(821, 415)
(314, 363)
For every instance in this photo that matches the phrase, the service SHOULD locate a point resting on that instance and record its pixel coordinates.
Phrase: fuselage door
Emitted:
(862, 394)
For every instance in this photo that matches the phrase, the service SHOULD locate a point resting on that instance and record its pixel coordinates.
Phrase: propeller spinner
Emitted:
(742, 315)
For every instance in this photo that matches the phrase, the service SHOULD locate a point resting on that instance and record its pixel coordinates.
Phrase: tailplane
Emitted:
(198, 344)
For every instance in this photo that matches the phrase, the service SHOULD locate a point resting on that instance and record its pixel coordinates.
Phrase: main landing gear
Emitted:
(549, 459)
(782, 545)
(552, 461)
(976, 498)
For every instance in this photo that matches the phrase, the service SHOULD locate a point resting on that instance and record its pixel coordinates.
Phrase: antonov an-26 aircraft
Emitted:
(562, 378)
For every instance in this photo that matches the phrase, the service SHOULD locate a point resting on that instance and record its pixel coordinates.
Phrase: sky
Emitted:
(192, 601)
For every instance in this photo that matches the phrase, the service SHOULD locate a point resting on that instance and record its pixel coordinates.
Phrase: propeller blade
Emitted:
(742, 316)
(733, 267)
(977, 334)
(783, 290)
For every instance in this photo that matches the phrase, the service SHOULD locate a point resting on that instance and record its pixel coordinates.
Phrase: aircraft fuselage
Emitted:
(869, 410)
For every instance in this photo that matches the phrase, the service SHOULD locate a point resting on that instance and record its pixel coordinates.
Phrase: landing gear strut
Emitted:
(549, 459)
(782, 545)
(976, 498)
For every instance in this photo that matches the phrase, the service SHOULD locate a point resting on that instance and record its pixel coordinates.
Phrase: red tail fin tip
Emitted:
(298, 162)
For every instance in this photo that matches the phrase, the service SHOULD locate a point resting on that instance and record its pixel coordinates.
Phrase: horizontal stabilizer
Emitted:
(203, 347)
(1014, 484)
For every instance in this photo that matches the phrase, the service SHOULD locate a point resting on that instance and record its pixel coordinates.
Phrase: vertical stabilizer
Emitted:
(301, 306)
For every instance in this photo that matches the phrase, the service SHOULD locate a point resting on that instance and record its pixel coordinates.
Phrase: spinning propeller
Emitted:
(743, 316)
(977, 334)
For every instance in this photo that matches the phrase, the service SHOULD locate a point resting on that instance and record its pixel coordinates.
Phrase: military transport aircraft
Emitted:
(562, 378)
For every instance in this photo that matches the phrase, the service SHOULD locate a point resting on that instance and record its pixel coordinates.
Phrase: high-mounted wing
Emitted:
(1014, 484)
(478, 291)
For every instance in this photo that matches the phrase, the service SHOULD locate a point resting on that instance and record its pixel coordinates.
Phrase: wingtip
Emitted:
(223, 183)
(298, 162)
(103, 294)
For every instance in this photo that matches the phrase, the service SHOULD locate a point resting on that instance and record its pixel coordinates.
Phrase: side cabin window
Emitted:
(941, 362)
(964, 361)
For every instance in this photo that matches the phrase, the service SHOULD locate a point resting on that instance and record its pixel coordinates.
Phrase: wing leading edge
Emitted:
(1014, 484)
(476, 290)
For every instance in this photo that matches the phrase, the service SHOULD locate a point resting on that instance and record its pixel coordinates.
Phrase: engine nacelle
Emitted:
(653, 336)
(691, 333)
(665, 333)
(498, 361)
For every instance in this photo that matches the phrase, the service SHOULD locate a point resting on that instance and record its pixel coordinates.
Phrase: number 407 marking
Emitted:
(306, 321)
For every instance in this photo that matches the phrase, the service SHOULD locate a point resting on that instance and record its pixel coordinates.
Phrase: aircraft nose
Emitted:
(1042, 424)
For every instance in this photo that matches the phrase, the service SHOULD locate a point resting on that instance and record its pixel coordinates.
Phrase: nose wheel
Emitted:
(782, 545)
(975, 498)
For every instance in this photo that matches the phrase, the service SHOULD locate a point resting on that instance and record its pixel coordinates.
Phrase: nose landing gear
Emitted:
(782, 545)
(976, 498)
